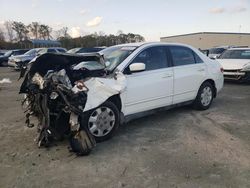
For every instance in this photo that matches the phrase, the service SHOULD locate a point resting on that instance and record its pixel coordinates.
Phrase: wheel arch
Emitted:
(212, 82)
(116, 99)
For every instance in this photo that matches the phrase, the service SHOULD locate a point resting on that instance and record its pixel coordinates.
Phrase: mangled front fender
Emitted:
(100, 89)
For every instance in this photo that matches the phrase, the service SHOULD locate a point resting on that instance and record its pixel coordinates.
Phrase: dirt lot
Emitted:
(176, 148)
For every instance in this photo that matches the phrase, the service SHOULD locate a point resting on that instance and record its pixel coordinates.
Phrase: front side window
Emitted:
(182, 56)
(154, 58)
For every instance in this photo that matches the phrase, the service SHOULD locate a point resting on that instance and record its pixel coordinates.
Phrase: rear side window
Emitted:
(51, 50)
(61, 50)
(197, 58)
(182, 56)
(153, 57)
(18, 52)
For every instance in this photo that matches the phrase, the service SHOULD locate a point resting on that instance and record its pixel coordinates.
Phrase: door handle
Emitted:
(201, 70)
(167, 76)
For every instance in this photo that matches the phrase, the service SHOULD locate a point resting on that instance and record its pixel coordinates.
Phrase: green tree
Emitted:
(2, 38)
(34, 28)
(21, 30)
(9, 30)
(45, 32)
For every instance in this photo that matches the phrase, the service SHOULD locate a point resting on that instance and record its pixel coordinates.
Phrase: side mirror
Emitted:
(215, 57)
(137, 67)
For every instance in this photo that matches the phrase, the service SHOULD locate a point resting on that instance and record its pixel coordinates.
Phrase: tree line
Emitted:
(15, 33)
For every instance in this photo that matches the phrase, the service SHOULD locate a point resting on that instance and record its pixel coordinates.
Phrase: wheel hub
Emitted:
(206, 96)
(101, 121)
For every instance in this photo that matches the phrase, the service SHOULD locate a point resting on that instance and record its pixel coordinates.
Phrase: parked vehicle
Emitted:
(236, 64)
(216, 52)
(2, 53)
(118, 83)
(85, 50)
(18, 61)
(52, 50)
(5, 57)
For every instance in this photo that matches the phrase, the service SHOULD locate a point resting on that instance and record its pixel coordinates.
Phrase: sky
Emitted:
(150, 18)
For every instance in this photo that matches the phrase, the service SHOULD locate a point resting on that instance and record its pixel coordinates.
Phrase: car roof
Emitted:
(154, 43)
(239, 49)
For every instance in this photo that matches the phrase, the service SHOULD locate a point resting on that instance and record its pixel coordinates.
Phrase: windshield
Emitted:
(90, 65)
(89, 50)
(216, 50)
(236, 54)
(61, 50)
(31, 52)
(42, 51)
(8, 53)
(74, 50)
(114, 56)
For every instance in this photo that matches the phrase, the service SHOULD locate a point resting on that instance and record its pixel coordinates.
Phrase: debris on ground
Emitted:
(5, 81)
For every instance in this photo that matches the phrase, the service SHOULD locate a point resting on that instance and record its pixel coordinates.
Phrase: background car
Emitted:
(85, 50)
(5, 57)
(2, 52)
(236, 64)
(52, 50)
(17, 61)
(216, 52)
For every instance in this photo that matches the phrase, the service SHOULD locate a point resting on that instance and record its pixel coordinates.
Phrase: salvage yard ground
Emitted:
(176, 148)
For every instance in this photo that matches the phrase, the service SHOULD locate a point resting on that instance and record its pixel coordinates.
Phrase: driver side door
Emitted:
(151, 88)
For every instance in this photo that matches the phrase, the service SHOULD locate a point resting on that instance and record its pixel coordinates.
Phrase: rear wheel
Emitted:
(204, 97)
(103, 121)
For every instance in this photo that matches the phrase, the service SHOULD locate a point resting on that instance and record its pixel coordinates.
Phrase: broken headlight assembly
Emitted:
(246, 67)
(38, 79)
(53, 95)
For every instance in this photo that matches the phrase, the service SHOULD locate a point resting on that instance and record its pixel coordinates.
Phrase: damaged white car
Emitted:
(88, 96)
(236, 64)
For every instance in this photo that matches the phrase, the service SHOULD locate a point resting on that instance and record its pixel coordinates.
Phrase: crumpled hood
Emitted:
(56, 62)
(22, 58)
(233, 64)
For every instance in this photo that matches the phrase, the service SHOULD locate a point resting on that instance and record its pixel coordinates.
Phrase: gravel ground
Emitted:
(175, 148)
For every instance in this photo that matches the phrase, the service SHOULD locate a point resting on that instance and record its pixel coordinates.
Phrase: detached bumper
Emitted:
(236, 75)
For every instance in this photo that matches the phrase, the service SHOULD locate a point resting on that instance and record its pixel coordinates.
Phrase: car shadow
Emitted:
(233, 82)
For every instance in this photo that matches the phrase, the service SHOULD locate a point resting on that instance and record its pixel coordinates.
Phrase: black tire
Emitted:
(110, 105)
(80, 143)
(198, 103)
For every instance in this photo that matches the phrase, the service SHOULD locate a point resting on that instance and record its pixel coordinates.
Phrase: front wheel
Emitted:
(102, 121)
(204, 97)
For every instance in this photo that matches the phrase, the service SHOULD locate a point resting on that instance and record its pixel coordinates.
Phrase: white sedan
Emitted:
(236, 64)
(155, 75)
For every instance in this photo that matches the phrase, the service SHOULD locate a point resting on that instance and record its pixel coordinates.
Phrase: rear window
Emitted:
(236, 54)
(61, 50)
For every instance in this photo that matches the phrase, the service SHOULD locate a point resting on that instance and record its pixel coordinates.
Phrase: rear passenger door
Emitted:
(189, 73)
